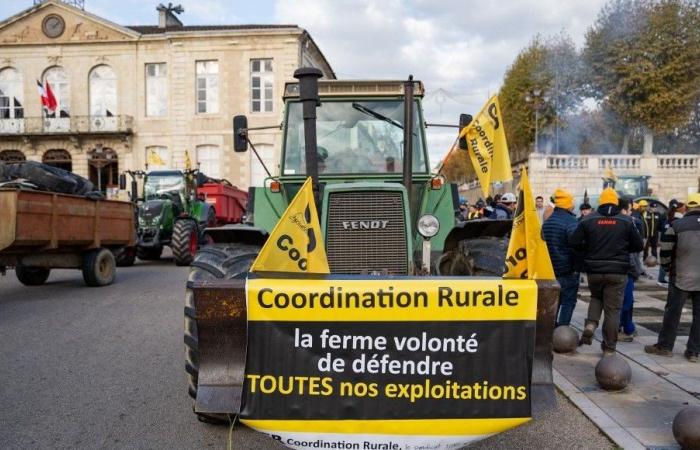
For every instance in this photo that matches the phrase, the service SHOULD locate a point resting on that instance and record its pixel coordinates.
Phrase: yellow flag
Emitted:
(295, 244)
(155, 159)
(487, 144)
(527, 255)
(188, 164)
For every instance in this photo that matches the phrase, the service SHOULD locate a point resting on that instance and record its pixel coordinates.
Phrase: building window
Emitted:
(209, 160)
(58, 158)
(156, 90)
(262, 80)
(207, 89)
(103, 92)
(257, 172)
(12, 156)
(11, 96)
(157, 157)
(58, 82)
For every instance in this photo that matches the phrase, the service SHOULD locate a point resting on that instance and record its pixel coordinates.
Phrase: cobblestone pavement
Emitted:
(641, 415)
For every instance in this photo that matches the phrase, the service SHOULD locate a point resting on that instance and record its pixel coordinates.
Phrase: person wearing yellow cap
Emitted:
(680, 255)
(606, 238)
(556, 230)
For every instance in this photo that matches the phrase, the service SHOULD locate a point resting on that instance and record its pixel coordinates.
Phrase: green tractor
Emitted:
(171, 214)
(382, 213)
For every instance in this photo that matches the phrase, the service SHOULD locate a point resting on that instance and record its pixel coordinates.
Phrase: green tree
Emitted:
(551, 67)
(643, 63)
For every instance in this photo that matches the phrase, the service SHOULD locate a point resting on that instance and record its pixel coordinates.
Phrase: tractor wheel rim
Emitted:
(193, 243)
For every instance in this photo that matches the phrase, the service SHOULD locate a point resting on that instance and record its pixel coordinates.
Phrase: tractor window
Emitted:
(354, 136)
(158, 186)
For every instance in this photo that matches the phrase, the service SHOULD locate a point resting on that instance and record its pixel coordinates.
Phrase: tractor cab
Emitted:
(171, 185)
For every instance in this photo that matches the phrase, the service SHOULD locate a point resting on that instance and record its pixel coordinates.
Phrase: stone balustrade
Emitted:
(669, 176)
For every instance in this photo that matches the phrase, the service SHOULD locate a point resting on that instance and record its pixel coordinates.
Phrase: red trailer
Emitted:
(228, 201)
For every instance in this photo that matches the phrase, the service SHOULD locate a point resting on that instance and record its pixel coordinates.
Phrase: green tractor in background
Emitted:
(170, 214)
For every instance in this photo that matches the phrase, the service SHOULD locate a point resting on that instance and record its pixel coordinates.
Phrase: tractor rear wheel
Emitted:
(32, 276)
(185, 242)
(213, 262)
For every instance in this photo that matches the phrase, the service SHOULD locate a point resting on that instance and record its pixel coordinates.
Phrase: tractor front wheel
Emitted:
(185, 242)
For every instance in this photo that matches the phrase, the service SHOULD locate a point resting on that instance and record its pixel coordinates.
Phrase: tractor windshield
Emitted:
(163, 186)
(354, 136)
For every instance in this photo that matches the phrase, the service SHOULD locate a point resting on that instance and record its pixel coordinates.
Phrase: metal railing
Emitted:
(67, 125)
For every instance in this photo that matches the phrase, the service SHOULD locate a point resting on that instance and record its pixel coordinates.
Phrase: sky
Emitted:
(460, 49)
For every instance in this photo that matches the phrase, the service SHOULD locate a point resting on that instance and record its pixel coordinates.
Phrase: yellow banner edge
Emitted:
(413, 427)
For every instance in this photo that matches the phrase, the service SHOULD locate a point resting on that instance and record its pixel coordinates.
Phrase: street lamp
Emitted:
(538, 98)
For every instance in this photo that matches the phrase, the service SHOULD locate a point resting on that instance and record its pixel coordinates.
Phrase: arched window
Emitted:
(257, 172)
(58, 83)
(103, 92)
(209, 159)
(12, 156)
(58, 158)
(104, 168)
(11, 94)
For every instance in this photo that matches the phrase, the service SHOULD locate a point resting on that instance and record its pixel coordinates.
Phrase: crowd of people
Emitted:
(613, 245)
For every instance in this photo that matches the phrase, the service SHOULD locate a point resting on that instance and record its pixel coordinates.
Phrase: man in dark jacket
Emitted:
(652, 227)
(556, 231)
(607, 238)
(680, 254)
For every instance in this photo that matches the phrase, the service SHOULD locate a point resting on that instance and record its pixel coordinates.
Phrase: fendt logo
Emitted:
(365, 224)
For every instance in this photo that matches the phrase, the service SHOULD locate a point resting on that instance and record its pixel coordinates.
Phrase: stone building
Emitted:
(130, 95)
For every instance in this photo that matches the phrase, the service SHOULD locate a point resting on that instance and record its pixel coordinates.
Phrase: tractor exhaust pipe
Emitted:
(408, 138)
(308, 94)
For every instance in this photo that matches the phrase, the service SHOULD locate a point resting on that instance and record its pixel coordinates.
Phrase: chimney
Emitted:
(167, 17)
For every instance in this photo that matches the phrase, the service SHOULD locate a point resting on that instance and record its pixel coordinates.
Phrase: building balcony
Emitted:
(44, 127)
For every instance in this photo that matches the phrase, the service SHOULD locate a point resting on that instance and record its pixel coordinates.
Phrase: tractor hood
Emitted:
(151, 210)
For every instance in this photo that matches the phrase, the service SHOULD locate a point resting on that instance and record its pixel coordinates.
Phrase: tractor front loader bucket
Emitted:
(221, 328)
(542, 392)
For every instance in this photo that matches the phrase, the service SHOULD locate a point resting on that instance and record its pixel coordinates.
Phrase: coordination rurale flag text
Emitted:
(487, 146)
(295, 244)
(527, 255)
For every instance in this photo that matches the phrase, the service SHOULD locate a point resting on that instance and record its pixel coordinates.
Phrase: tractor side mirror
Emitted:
(122, 181)
(464, 121)
(240, 133)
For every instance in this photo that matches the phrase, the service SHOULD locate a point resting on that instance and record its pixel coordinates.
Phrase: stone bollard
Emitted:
(686, 428)
(564, 339)
(613, 373)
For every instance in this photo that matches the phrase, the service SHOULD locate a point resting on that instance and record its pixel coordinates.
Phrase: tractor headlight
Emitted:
(428, 226)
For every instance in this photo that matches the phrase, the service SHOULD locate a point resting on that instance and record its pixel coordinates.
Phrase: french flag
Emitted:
(48, 100)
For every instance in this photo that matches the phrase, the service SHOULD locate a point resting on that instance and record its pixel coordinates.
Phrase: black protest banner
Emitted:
(405, 361)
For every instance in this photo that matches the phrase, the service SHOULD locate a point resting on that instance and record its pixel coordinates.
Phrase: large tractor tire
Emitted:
(149, 253)
(480, 256)
(185, 242)
(99, 267)
(213, 262)
(32, 276)
(125, 257)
